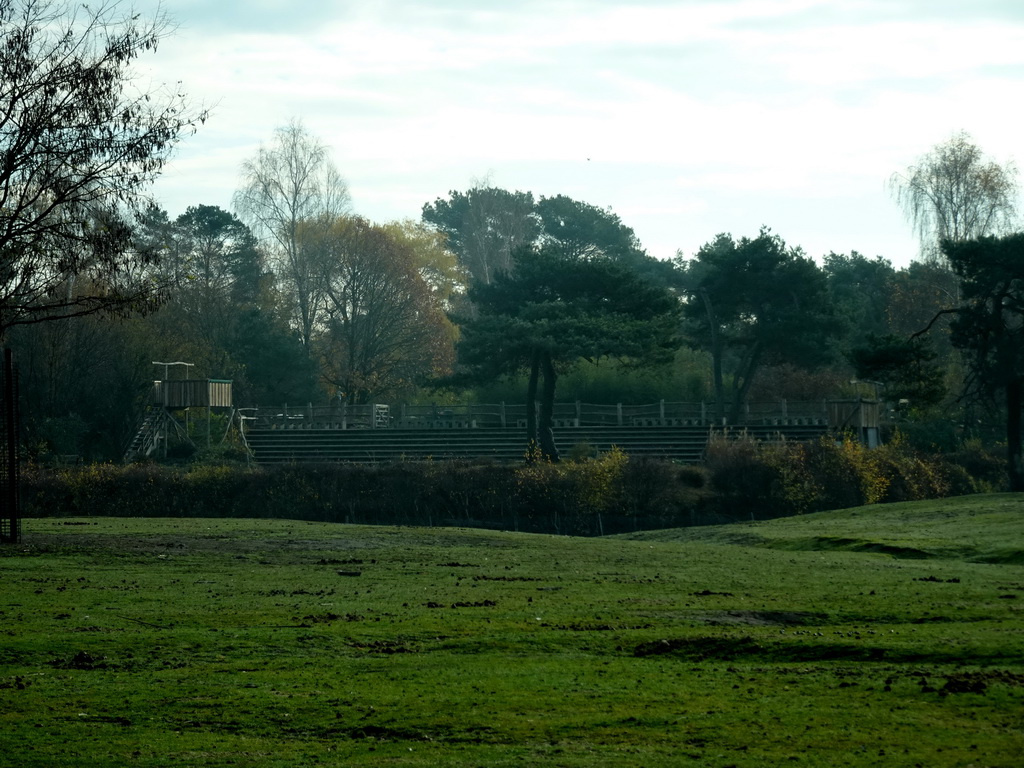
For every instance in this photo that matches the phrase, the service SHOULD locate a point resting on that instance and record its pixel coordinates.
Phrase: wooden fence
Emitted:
(513, 416)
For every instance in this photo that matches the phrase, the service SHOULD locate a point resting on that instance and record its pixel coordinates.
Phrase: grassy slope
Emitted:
(878, 636)
(983, 528)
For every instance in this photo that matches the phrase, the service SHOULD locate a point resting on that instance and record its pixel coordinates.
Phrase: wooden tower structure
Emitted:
(174, 395)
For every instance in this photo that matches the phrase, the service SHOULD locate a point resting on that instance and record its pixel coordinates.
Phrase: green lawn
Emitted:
(889, 636)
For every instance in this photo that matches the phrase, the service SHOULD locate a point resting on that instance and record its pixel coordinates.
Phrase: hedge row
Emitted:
(766, 480)
(611, 493)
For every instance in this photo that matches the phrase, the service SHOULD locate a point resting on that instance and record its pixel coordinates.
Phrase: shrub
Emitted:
(760, 480)
(985, 468)
(612, 493)
(745, 476)
(661, 494)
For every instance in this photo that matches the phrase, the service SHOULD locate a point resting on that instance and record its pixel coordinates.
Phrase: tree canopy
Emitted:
(752, 302)
(288, 187)
(80, 144)
(554, 309)
(384, 327)
(989, 326)
(484, 227)
(955, 193)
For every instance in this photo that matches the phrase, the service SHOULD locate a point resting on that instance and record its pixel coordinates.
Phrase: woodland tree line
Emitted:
(492, 294)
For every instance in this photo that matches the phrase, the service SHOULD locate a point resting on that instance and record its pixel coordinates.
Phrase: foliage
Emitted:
(435, 262)
(384, 326)
(989, 327)
(485, 227)
(579, 231)
(554, 310)
(861, 291)
(757, 480)
(81, 143)
(575, 496)
(215, 276)
(954, 193)
(586, 495)
(683, 379)
(905, 368)
(751, 303)
(85, 371)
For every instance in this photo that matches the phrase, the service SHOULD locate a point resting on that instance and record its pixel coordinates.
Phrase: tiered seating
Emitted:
(283, 445)
(681, 443)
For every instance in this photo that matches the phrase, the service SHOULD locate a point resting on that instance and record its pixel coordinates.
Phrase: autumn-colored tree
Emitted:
(384, 327)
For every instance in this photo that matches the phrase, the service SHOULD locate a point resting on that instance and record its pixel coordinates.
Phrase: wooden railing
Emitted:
(836, 413)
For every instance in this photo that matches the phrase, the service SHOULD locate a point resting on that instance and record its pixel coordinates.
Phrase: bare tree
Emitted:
(286, 188)
(954, 194)
(79, 146)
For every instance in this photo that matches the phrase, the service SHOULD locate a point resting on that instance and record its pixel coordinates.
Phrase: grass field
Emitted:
(882, 636)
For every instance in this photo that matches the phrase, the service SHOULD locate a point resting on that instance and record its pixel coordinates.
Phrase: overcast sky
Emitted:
(686, 117)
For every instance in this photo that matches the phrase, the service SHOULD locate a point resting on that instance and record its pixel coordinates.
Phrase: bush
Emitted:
(985, 469)
(751, 479)
(756, 480)
(742, 480)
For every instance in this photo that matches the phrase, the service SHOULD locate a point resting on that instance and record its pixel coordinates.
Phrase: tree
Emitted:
(79, 146)
(989, 327)
(288, 186)
(435, 262)
(905, 367)
(751, 303)
(216, 270)
(223, 312)
(554, 309)
(954, 193)
(860, 289)
(213, 272)
(222, 260)
(384, 325)
(578, 230)
(485, 227)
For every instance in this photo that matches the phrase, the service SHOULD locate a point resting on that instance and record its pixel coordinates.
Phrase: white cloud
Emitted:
(683, 116)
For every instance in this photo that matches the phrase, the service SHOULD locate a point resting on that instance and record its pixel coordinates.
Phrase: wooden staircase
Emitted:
(147, 436)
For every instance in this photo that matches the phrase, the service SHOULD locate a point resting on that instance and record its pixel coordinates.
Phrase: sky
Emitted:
(687, 118)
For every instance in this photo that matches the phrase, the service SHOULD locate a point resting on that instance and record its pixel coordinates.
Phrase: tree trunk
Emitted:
(744, 379)
(547, 408)
(1014, 390)
(716, 356)
(532, 448)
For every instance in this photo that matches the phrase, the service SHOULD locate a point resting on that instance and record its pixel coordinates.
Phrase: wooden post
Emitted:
(11, 500)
